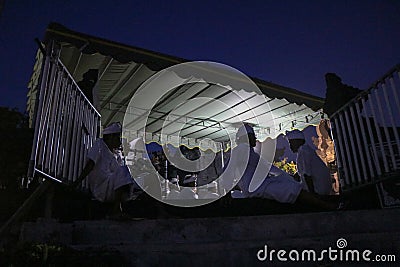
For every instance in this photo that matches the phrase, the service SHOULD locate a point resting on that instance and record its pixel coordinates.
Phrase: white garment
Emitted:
(275, 184)
(207, 165)
(308, 163)
(107, 174)
(173, 194)
(187, 193)
(205, 194)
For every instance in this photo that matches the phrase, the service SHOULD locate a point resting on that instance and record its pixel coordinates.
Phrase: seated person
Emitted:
(313, 172)
(188, 190)
(276, 184)
(210, 191)
(108, 180)
(174, 190)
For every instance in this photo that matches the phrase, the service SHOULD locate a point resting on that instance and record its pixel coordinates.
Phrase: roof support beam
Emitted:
(135, 70)
(239, 115)
(175, 91)
(193, 96)
(219, 113)
(125, 78)
(205, 104)
(107, 63)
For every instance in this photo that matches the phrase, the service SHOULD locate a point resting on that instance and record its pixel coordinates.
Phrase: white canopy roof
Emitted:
(201, 109)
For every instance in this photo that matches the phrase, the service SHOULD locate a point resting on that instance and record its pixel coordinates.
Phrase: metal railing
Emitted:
(366, 133)
(66, 124)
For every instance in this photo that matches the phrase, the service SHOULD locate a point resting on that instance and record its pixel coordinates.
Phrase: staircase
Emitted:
(233, 241)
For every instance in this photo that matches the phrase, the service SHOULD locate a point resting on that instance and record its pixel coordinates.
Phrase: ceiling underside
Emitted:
(193, 107)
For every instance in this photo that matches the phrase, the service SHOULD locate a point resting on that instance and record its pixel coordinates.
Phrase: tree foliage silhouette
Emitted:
(15, 146)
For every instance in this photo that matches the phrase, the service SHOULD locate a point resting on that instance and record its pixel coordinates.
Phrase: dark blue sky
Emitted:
(292, 43)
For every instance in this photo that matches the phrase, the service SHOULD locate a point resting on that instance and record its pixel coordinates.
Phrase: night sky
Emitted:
(291, 43)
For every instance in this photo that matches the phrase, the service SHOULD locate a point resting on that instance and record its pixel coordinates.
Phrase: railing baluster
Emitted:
(48, 120)
(67, 173)
(347, 149)
(45, 118)
(373, 144)
(74, 137)
(364, 138)
(378, 132)
(395, 94)
(352, 153)
(396, 135)
(385, 129)
(340, 156)
(83, 149)
(63, 132)
(57, 126)
(91, 123)
(339, 127)
(77, 138)
(358, 153)
(38, 116)
(58, 130)
(52, 125)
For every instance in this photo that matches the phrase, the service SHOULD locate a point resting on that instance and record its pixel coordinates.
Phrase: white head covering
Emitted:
(113, 128)
(245, 129)
(295, 134)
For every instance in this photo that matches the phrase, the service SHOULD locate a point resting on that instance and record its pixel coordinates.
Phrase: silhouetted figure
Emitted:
(314, 174)
(275, 184)
(88, 82)
(337, 94)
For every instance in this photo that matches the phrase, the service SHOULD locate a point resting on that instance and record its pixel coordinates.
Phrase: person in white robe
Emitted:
(108, 178)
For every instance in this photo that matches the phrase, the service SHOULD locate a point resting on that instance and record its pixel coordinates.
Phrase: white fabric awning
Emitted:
(170, 108)
(199, 109)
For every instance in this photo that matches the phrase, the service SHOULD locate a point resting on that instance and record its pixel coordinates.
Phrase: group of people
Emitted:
(110, 180)
(315, 179)
(190, 191)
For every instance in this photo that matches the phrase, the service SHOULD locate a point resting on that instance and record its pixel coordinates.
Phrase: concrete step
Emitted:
(196, 230)
(244, 253)
(230, 240)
